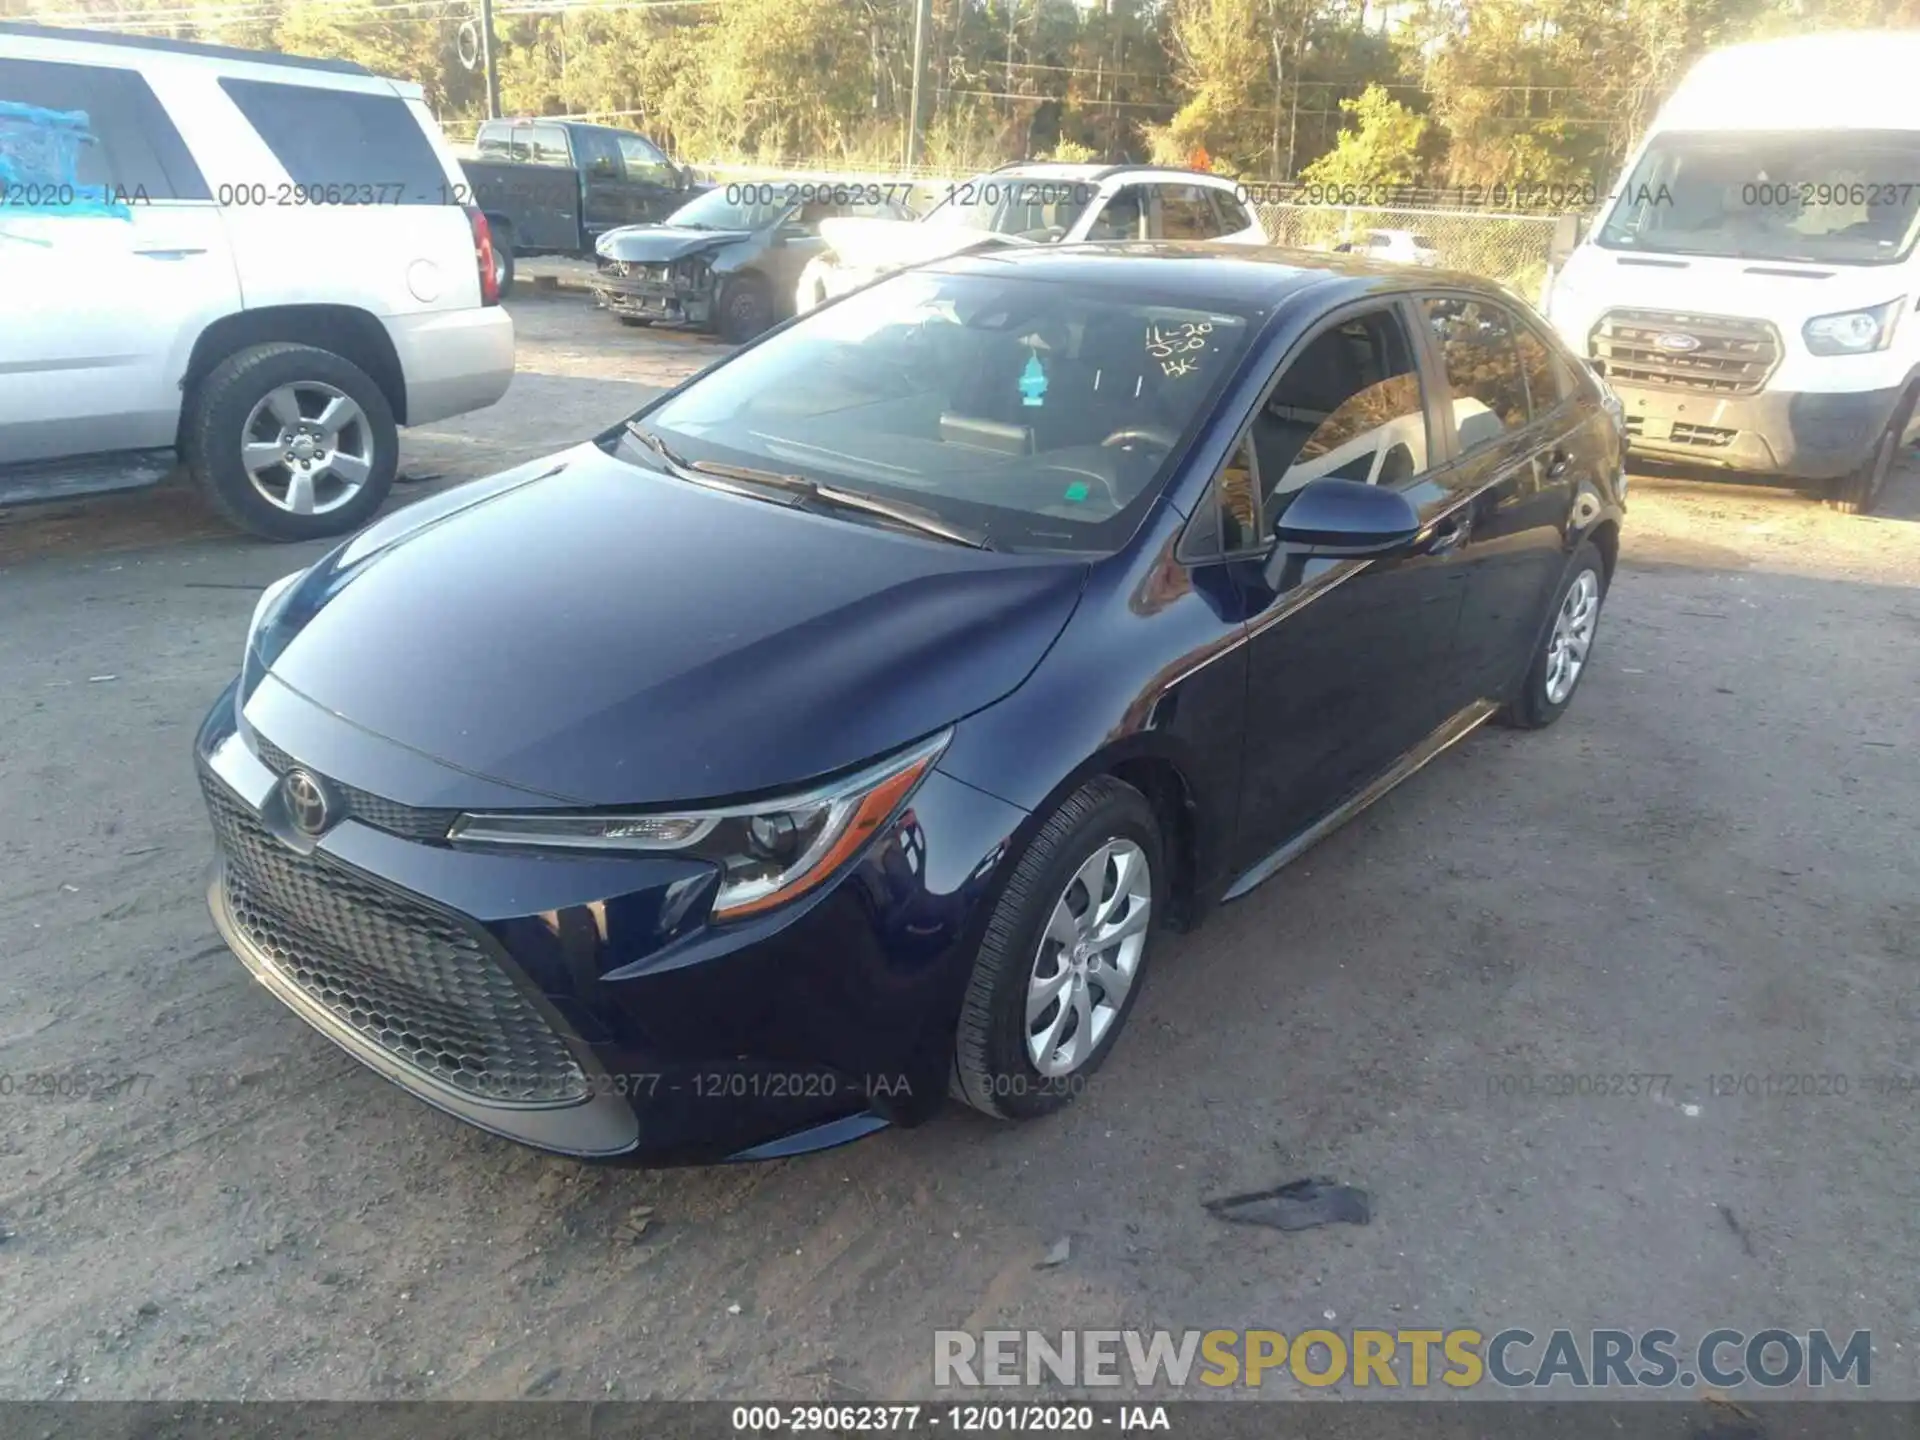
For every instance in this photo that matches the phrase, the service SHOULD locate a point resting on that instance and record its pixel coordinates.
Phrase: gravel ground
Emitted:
(1708, 868)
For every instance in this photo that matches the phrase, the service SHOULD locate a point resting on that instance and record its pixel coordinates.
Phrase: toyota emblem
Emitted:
(307, 804)
(1677, 344)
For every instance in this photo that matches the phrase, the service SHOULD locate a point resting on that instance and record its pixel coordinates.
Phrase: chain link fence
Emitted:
(1509, 249)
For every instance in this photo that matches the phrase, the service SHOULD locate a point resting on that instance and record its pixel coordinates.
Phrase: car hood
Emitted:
(861, 243)
(663, 242)
(607, 635)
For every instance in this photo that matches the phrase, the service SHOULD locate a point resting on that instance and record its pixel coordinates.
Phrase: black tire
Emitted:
(503, 259)
(1533, 708)
(1858, 491)
(216, 421)
(635, 320)
(746, 308)
(992, 1069)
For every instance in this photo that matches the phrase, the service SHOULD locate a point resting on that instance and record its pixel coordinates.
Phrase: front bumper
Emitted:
(1803, 435)
(641, 297)
(579, 1003)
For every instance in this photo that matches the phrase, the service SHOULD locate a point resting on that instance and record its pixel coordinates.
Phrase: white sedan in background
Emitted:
(1033, 204)
(1403, 247)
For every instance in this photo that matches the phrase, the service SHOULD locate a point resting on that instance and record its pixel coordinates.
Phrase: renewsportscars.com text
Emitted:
(1512, 1358)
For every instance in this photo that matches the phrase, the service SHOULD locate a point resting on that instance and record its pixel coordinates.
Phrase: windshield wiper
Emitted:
(807, 492)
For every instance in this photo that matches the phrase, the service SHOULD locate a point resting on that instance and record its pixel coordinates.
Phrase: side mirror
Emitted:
(1568, 231)
(1343, 519)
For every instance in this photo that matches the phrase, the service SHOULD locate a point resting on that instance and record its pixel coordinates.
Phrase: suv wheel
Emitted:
(1064, 955)
(291, 442)
(1567, 646)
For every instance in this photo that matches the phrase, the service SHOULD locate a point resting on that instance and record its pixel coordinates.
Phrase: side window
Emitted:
(644, 162)
(599, 156)
(121, 141)
(1123, 217)
(343, 137)
(1489, 393)
(1548, 379)
(1347, 407)
(1233, 216)
(1185, 214)
(547, 145)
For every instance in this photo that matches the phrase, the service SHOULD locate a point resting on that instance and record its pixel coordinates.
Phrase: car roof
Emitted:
(1254, 275)
(1060, 170)
(163, 46)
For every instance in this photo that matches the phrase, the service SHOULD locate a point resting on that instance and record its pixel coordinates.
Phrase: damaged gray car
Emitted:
(727, 261)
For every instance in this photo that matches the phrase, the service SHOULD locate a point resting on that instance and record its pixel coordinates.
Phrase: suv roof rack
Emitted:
(182, 47)
(1110, 171)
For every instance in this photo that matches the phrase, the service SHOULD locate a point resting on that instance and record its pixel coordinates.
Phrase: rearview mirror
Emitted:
(1339, 518)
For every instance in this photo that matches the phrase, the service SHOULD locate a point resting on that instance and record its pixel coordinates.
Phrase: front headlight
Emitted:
(1854, 332)
(769, 852)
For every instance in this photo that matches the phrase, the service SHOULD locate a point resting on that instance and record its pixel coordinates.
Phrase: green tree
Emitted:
(1381, 149)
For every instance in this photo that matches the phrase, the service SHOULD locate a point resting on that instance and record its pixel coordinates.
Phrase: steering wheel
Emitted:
(1136, 434)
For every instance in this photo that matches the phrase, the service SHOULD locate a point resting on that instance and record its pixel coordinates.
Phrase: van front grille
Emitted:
(1729, 356)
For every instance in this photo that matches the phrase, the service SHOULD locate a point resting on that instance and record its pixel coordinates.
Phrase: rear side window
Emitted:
(344, 138)
(1232, 214)
(121, 140)
(1548, 379)
(1185, 213)
(1483, 368)
(1123, 217)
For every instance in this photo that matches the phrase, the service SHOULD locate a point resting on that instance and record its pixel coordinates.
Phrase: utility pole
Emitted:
(488, 60)
(922, 27)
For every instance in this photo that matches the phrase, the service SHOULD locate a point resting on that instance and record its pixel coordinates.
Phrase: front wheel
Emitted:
(1860, 489)
(291, 442)
(746, 308)
(1563, 655)
(1064, 955)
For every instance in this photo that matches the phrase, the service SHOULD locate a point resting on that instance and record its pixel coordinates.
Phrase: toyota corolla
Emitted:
(842, 729)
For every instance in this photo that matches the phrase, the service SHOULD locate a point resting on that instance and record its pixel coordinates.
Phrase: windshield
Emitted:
(1012, 205)
(1042, 414)
(714, 211)
(1847, 197)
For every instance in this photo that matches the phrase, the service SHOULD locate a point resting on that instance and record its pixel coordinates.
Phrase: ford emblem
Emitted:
(1677, 344)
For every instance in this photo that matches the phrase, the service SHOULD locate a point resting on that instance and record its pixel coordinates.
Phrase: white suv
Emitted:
(258, 263)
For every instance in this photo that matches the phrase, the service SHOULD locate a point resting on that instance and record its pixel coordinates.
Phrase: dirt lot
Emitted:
(1708, 869)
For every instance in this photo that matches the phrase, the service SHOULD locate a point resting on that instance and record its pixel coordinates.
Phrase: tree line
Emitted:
(1445, 94)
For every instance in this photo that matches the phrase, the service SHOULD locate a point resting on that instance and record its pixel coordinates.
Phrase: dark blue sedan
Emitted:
(841, 730)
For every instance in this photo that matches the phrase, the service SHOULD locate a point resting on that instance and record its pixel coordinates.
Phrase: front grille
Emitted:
(412, 822)
(1734, 356)
(406, 977)
(1704, 437)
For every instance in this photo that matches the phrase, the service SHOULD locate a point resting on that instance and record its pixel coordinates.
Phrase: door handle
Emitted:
(1557, 462)
(170, 252)
(1449, 535)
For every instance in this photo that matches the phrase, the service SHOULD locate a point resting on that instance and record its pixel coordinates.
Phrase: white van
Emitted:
(257, 263)
(1748, 288)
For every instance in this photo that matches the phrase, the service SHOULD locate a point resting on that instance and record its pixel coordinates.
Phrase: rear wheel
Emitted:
(503, 259)
(291, 442)
(1562, 658)
(1064, 955)
(637, 321)
(1860, 489)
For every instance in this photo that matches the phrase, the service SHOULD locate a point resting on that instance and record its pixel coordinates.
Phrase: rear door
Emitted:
(1183, 212)
(1512, 473)
(112, 258)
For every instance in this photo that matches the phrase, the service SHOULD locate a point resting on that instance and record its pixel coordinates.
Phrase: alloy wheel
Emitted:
(1572, 637)
(1087, 956)
(307, 447)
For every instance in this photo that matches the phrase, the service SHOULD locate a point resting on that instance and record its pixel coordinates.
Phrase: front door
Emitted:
(1350, 667)
(652, 179)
